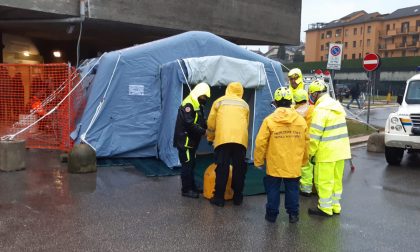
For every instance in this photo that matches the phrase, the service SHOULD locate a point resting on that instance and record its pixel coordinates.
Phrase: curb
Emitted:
(358, 140)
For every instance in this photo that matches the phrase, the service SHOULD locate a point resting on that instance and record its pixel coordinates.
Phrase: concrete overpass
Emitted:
(109, 24)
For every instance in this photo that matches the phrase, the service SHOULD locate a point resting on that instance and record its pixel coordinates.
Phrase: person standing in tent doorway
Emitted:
(190, 127)
(329, 146)
(228, 130)
(282, 143)
(295, 80)
(304, 109)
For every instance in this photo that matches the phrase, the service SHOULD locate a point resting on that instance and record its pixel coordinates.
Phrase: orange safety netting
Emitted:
(28, 92)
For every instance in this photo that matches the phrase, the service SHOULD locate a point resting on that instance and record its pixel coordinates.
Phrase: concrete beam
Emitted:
(262, 22)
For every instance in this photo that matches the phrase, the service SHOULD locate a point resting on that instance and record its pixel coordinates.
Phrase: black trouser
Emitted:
(225, 155)
(187, 159)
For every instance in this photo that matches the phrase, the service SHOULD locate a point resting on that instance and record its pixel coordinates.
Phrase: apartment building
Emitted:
(388, 35)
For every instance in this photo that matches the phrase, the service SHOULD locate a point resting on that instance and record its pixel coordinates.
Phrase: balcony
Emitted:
(389, 47)
(412, 30)
(413, 45)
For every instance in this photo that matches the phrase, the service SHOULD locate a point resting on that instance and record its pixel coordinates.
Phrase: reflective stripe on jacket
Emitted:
(329, 141)
(229, 117)
(282, 142)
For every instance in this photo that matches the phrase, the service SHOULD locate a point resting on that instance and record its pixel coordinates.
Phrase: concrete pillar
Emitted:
(82, 159)
(376, 143)
(12, 155)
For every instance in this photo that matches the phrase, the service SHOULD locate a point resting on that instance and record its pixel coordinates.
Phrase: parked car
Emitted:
(342, 90)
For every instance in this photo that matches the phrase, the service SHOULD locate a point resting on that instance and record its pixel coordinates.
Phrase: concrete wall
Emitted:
(263, 22)
(385, 76)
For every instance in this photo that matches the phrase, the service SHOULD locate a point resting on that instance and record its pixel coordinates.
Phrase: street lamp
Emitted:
(57, 54)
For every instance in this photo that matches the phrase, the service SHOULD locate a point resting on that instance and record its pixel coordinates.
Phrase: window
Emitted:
(346, 32)
(322, 35)
(360, 43)
(354, 44)
(322, 58)
(405, 27)
(368, 42)
(353, 56)
(338, 33)
(360, 55)
(355, 31)
(388, 27)
(345, 56)
(369, 30)
(415, 38)
(413, 92)
(345, 44)
(393, 26)
(338, 42)
(327, 46)
(361, 30)
(329, 34)
(322, 47)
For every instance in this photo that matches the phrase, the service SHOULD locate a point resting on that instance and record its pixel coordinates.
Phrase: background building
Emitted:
(389, 35)
(286, 54)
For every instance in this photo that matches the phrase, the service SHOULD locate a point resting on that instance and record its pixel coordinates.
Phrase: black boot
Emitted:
(238, 199)
(318, 212)
(293, 218)
(218, 202)
(305, 194)
(270, 218)
(190, 194)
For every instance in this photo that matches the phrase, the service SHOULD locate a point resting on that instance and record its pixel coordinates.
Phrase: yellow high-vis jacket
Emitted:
(282, 142)
(329, 140)
(229, 117)
(300, 86)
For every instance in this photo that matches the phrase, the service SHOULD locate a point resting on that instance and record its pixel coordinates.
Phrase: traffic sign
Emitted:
(371, 62)
(334, 56)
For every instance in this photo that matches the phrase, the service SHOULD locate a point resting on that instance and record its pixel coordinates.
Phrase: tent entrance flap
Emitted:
(221, 70)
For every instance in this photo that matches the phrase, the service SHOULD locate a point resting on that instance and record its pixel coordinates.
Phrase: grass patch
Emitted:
(356, 128)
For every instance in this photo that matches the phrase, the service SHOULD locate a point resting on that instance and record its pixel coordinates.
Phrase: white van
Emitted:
(402, 128)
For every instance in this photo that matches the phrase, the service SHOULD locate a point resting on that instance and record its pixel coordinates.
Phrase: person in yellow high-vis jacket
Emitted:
(228, 130)
(329, 147)
(305, 110)
(282, 144)
(295, 80)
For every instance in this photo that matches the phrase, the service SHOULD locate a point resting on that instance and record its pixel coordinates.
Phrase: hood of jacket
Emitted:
(235, 89)
(326, 102)
(285, 115)
(199, 90)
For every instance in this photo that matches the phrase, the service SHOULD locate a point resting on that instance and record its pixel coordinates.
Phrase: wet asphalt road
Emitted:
(43, 208)
(377, 116)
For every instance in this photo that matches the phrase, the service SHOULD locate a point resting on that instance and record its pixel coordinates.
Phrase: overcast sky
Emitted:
(328, 10)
